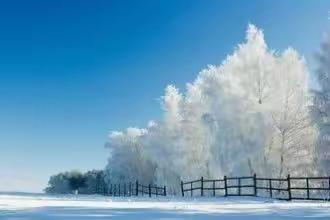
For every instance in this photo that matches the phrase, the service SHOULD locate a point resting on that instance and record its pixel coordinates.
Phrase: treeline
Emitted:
(76, 182)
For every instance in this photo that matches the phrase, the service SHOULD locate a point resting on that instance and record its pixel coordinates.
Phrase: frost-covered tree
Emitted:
(321, 107)
(247, 115)
(293, 141)
(128, 161)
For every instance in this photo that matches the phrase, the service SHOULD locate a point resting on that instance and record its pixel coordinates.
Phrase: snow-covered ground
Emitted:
(39, 207)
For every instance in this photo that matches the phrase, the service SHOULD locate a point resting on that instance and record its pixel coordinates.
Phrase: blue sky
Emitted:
(71, 71)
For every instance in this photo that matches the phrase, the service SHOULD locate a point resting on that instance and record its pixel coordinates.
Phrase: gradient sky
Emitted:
(71, 71)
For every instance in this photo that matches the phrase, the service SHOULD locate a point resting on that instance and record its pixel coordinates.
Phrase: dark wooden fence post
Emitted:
(136, 188)
(289, 187)
(239, 186)
(164, 190)
(124, 189)
(191, 189)
(130, 189)
(182, 191)
(202, 187)
(270, 188)
(214, 188)
(119, 189)
(255, 184)
(225, 181)
(307, 187)
(149, 190)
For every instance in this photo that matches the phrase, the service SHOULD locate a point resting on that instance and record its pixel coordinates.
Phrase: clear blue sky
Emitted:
(71, 71)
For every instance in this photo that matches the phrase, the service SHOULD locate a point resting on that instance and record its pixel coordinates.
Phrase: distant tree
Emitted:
(58, 183)
(77, 180)
(94, 182)
(91, 182)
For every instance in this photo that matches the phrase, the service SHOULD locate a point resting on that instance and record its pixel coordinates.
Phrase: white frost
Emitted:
(247, 115)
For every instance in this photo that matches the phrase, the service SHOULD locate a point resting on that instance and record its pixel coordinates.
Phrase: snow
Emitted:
(39, 207)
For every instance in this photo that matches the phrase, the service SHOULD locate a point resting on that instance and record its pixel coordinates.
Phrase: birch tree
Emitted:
(321, 106)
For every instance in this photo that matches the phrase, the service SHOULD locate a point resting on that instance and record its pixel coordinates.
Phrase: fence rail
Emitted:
(309, 188)
(134, 189)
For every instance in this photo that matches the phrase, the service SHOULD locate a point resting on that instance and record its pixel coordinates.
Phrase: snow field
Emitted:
(98, 207)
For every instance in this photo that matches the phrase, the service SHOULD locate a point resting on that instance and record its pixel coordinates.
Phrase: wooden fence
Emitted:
(135, 189)
(310, 188)
(121, 189)
(149, 190)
